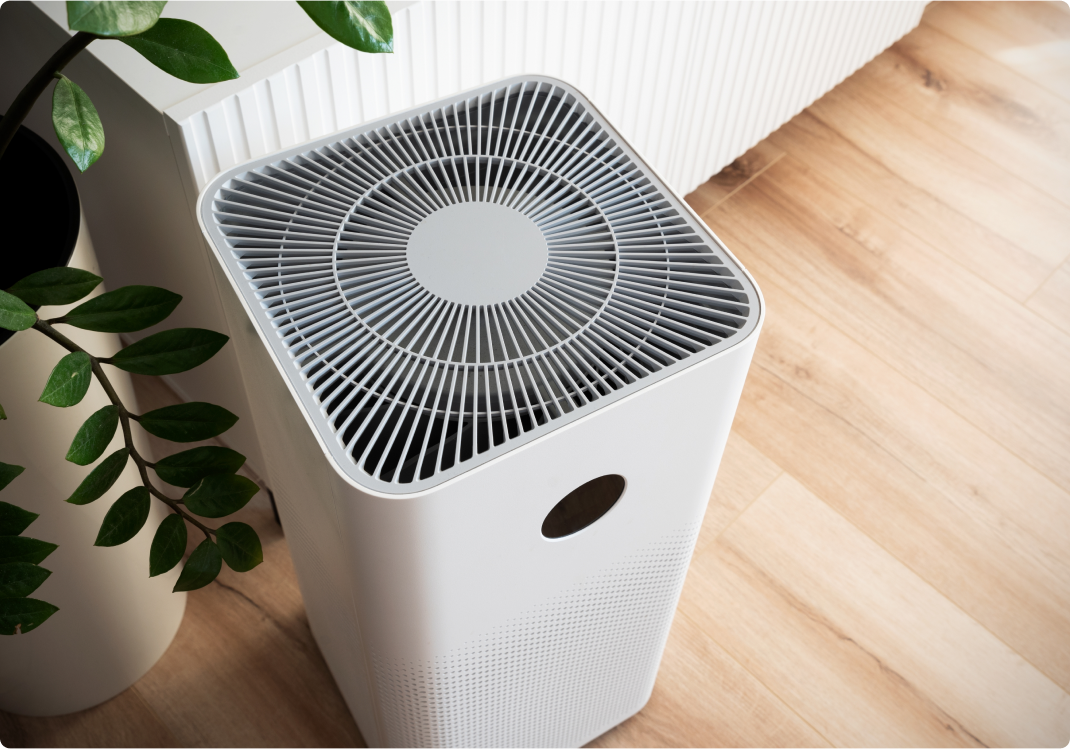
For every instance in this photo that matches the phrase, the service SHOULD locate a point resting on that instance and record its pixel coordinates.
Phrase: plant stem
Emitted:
(24, 102)
(124, 419)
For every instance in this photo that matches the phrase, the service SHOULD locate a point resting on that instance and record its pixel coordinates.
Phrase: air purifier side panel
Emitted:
(458, 578)
(299, 474)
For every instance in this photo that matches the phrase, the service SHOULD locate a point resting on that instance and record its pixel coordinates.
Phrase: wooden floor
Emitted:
(886, 556)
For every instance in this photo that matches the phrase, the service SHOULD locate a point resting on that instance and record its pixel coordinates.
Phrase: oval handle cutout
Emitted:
(583, 506)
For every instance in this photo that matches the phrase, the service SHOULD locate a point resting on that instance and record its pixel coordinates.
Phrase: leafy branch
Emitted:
(214, 488)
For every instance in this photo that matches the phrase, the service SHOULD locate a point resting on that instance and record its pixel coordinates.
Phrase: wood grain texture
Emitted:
(884, 559)
(911, 306)
(1031, 38)
(1052, 300)
(725, 183)
(862, 648)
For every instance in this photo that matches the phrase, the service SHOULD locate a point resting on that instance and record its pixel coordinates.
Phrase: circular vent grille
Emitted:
(457, 281)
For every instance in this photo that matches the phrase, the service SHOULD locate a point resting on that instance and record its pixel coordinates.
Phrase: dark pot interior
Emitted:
(38, 210)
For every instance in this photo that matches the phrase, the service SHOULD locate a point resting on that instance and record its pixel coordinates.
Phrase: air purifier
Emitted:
(493, 363)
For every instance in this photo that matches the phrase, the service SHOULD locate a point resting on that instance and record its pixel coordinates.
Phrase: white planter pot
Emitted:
(114, 622)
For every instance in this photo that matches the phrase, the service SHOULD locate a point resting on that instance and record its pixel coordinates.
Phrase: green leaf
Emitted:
(14, 314)
(19, 579)
(219, 495)
(124, 310)
(112, 18)
(188, 422)
(240, 546)
(187, 468)
(169, 352)
(364, 26)
(69, 381)
(21, 615)
(94, 436)
(201, 568)
(125, 518)
(61, 285)
(2, 414)
(100, 479)
(22, 549)
(77, 124)
(168, 545)
(8, 472)
(184, 50)
(13, 519)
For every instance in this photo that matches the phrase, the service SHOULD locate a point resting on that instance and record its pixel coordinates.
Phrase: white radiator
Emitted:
(692, 85)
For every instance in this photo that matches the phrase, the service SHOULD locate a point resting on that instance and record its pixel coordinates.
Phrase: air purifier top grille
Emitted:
(447, 284)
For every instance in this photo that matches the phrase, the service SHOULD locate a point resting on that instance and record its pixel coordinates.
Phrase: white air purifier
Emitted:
(493, 362)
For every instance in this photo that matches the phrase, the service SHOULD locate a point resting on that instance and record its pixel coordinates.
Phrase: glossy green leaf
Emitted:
(188, 422)
(169, 352)
(240, 546)
(21, 615)
(113, 18)
(22, 549)
(94, 436)
(101, 478)
(19, 579)
(201, 568)
(77, 124)
(14, 314)
(8, 472)
(187, 468)
(168, 545)
(2, 414)
(69, 381)
(184, 50)
(61, 285)
(364, 26)
(125, 517)
(13, 519)
(124, 310)
(219, 495)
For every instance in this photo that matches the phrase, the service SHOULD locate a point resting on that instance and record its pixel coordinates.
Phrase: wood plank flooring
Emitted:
(885, 560)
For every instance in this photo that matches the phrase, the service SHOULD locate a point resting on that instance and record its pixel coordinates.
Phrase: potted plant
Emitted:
(118, 617)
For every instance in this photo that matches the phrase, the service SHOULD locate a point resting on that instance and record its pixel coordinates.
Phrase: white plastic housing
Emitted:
(445, 615)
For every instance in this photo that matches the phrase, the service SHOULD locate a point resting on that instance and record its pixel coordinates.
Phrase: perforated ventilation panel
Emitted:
(559, 675)
(449, 283)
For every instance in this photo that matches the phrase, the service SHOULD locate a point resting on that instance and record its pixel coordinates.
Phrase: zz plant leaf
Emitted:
(124, 310)
(169, 352)
(201, 568)
(101, 478)
(22, 549)
(168, 545)
(19, 579)
(14, 314)
(21, 615)
(219, 495)
(125, 518)
(77, 124)
(113, 18)
(184, 50)
(8, 473)
(94, 436)
(55, 286)
(364, 26)
(190, 466)
(188, 422)
(69, 381)
(13, 519)
(240, 546)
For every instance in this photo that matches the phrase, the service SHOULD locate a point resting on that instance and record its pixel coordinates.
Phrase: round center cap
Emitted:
(477, 253)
